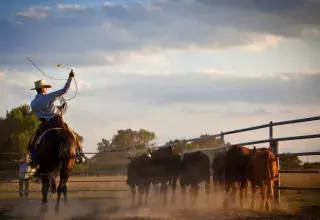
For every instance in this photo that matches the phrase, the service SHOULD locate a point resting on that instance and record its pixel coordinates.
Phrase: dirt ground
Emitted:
(100, 209)
(117, 205)
(122, 208)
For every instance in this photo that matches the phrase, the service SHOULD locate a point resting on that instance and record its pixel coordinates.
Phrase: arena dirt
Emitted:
(206, 209)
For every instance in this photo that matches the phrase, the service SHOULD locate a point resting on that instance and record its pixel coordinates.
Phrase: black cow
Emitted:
(166, 166)
(217, 167)
(139, 174)
(237, 159)
(195, 168)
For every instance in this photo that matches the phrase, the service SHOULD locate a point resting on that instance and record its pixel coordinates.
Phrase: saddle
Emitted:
(46, 125)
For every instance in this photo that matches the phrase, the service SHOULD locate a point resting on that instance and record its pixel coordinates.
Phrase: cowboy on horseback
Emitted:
(50, 116)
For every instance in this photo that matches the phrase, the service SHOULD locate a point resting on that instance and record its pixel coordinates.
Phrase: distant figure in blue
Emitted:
(44, 107)
(24, 170)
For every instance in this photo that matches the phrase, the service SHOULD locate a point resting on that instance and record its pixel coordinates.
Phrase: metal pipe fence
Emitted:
(271, 140)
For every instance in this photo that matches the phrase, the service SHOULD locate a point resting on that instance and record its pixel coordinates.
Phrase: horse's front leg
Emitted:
(45, 189)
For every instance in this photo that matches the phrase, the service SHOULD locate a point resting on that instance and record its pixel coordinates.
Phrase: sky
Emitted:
(179, 68)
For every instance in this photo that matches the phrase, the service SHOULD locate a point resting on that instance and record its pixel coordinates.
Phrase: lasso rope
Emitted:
(60, 66)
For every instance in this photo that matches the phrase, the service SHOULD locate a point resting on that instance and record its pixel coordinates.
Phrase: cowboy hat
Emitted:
(40, 84)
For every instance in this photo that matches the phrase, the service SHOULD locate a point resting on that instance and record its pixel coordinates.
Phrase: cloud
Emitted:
(295, 89)
(38, 12)
(255, 112)
(161, 25)
(263, 42)
(72, 7)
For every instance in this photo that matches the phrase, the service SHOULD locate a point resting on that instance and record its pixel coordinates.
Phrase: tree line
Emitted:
(131, 141)
(19, 124)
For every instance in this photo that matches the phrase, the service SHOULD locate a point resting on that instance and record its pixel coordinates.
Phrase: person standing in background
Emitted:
(24, 169)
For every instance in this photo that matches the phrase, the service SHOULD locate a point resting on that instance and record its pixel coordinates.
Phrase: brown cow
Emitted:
(236, 162)
(262, 172)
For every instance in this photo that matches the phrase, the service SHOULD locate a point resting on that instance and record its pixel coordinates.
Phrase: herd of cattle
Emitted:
(236, 167)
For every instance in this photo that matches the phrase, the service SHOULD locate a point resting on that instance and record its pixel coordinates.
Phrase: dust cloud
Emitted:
(210, 207)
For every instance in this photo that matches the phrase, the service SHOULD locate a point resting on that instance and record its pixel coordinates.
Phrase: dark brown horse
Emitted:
(56, 154)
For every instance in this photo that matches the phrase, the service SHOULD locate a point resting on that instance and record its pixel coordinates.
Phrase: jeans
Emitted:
(23, 188)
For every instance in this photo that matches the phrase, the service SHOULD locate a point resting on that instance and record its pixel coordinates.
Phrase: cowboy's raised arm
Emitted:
(64, 90)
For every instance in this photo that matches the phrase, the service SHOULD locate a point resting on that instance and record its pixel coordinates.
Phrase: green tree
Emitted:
(288, 161)
(131, 140)
(313, 165)
(208, 142)
(180, 145)
(104, 145)
(16, 128)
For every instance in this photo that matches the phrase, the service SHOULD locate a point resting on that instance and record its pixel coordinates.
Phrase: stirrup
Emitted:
(79, 158)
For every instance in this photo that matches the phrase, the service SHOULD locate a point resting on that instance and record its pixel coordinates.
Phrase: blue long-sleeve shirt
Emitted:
(43, 105)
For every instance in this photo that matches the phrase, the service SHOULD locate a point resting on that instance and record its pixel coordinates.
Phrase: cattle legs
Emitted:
(133, 193)
(207, 189)
(268, 191)
(263, 195)
(254, 190)
(194, 192)
(147, 190)
(229, 185)
(174, 187)
(164, 192)
(243, 191)
(183, 193)
(141, 190)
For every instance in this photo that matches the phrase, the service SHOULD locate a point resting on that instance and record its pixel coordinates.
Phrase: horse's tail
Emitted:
(67, 151)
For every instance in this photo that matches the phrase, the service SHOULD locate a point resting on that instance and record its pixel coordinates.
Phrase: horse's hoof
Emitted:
(66, 203)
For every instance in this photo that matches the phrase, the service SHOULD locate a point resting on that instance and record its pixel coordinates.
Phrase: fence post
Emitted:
(275, 150)
(222, 138)
(270, 131)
